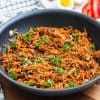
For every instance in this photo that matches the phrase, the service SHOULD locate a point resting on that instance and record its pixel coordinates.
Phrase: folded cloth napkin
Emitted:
(11, 8)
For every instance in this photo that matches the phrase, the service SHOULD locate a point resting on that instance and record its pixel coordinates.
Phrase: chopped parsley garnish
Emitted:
(12, 75)
(26, 61)
(46, 40)
(92, 47)
(37, 45)
(74, 71)
(49, 83)
(12, 45)
(74, 35)
(41, 60)
(33, 63)
(26, 37)
(70, 85)
(59, 70)
(66, 47)
(23, 59)
(55, 60)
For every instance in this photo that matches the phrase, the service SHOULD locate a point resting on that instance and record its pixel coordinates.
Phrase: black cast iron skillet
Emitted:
(54, 18)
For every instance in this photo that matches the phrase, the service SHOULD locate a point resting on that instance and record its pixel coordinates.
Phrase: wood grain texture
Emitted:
(94, 91)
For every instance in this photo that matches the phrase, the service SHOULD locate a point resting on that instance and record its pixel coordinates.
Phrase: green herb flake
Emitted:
(12, 45)
(12, 75)
(92, 47)
(27, 83)
(66, 47)
(46, 40)
(41, 60)
(23, 59)
(33, 63)
(59, 70)
(71, 85)
(49, 83)
(26, 37)
(37, 45)
(74, 35)
(55, 60)
(74, 71)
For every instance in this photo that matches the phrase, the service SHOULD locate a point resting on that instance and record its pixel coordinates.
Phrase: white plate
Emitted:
(49, 3)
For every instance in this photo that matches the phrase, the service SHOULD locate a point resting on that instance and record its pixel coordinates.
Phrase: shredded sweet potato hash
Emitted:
(51, 58)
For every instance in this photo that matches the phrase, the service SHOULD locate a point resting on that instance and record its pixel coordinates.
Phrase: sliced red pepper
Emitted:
(91, 3)
(98, 8)
(92, 8)
(95, 8)
(85, 9)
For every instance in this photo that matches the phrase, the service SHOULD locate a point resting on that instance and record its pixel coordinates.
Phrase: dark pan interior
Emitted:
(55, 18)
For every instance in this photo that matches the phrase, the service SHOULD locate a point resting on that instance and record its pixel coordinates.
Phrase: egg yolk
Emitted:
(65, 3)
